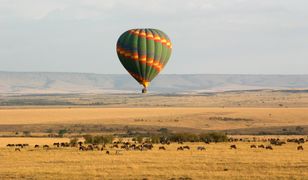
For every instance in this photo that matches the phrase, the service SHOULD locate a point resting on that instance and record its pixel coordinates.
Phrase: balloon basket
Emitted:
(144, 90)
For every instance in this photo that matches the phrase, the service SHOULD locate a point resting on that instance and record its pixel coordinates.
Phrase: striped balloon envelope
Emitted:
(144, 53)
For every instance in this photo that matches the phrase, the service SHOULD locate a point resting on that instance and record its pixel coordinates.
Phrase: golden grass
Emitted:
(217, 162)
(30, 141)
(198, 118)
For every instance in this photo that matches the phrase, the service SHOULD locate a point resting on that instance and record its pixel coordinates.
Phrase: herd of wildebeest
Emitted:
(119, 147)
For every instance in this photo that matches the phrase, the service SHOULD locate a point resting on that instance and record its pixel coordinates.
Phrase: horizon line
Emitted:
(286, 74)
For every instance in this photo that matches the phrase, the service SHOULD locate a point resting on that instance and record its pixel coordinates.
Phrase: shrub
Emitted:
(213, 137)
(88, 138)
(139, 139)
(62, 132)
(26, 133)
(49, 130)
(184, 137)
(73, 141)
(155, 139)
(100, 139)
(163, 130)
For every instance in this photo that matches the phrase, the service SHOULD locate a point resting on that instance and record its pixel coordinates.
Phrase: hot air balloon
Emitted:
(144, 53)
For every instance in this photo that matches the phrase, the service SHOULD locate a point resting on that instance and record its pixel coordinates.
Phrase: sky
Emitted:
(208, 36)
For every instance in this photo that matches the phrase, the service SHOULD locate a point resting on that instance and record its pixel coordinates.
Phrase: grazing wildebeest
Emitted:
(56, 144)
(80, 143)
(253, 146)
(102, 148)
(17, 149)
(180, 148)
(36, 146)
(124, 146)
(200, 148)
(186, 147)
(148, 146)
(107, 152)
(10, 145)
(233, 146)
(20, 145)
(269, 147)
(115, 146)
(25, 145)
(161, 148)
(300, 148)
(46, 146)
(90, 147)
(82, 148)
(261, 146)
(96, 147)
(301, 140)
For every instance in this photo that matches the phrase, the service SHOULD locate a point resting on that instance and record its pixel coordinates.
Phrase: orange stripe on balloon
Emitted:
(143, 59)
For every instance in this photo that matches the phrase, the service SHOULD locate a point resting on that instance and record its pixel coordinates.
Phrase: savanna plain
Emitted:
(138, 128)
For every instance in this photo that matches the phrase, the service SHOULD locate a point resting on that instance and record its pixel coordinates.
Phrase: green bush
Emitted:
(155, 139)
(100, 139)
(213, 137)
(62, 132)
(73, 141)
(27, 133)
(139, 139)
(184, 137)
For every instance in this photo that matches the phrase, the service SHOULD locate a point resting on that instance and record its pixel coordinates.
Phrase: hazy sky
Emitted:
(209, 36)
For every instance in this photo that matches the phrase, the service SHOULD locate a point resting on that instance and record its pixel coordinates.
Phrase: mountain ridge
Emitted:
(62, 82)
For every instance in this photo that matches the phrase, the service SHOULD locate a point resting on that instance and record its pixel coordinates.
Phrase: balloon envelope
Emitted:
(144, 53)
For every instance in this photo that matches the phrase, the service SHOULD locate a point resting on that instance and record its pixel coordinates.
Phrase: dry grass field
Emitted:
(218, 161)
(194, 118)
(251, 113)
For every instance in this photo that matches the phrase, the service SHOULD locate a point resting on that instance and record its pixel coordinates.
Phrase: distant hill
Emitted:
(41, 83)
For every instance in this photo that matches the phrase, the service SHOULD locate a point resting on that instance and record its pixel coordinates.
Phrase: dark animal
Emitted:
(162, 148)
(17, 149)
(96, 147)
(45, 146)
(269, 147)
(36, 146)
(261, 146)
(90, 147)
(56, 144)
(147, 146)
(20, 145)
(186, 147)
(253, 146)
(82, 148)
(80, 143)
(233, 146)
(180, 148)
(300, 148)
(107, 152)
(200, 148)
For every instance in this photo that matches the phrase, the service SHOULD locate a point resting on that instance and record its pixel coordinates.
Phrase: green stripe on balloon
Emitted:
(140, 41)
